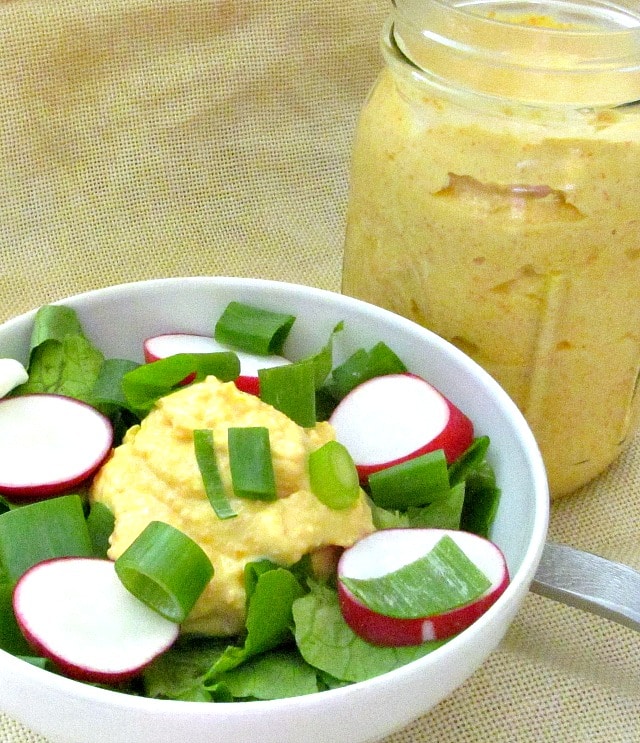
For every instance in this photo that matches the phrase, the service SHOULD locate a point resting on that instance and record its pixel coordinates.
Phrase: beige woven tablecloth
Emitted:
(147, 138)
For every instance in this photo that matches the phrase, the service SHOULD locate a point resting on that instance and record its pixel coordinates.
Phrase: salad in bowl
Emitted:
(230, 503)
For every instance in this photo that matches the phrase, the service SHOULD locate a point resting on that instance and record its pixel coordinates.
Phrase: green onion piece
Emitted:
(323, 359)
(364, 365)
(291, 390)
(100, 522)
(253, 329)
(415, 482)
(333, 476)
(145, 384)
(252, 474)
(165, 569)
(440, 581)
(208, 466)
(48, 529)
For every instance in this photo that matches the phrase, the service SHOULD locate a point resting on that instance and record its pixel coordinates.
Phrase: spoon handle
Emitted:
(589, 582)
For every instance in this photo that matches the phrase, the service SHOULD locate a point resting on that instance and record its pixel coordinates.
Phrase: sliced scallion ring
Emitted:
(333, 476)
(165, 569)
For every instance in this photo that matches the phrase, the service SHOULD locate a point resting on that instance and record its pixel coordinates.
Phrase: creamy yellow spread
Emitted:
(518, 239)
(153, 475)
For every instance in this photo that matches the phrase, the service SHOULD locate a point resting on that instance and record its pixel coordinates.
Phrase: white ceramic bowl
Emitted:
(117, 319)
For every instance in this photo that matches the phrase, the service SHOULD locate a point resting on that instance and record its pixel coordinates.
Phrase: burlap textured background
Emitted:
(147, 138)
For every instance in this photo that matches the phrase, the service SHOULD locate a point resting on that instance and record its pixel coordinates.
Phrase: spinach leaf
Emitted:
(276, 675)
(66, 367)
(441, 514)
(328, 643)
(54, 322)
(269, 617)
(179, 673)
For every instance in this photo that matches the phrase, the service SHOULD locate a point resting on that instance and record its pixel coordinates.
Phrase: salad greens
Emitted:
(295, 639)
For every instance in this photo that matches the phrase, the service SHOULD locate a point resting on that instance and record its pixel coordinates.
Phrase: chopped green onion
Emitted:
(252, 474)
(48, 529)
(323, 359)
(333, 476)
(414, 482)
(208, 466)
(291, 390)
(361, 366)
(440, 581)
(145, 384)
(253, 329)
(166, 570)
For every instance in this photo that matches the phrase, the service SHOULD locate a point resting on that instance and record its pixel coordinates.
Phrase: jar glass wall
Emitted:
(494, 199)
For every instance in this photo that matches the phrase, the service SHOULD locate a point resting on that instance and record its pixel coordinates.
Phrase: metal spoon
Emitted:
(590, 582)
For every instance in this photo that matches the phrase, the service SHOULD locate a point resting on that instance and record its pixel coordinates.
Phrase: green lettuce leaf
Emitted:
(62, 360)
(276, 675)
(65, 367)
(328, 643)
(269, 616)
(179, 673)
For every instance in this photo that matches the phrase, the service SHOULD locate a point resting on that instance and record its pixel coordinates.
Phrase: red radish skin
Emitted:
(169, 344)
(379, 629)
(397, 417)
(76, 612)
(49, 444)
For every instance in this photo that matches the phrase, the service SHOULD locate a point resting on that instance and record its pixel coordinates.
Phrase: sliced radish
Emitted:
(389, 419)
(49, 443)
(12, 373)
(169, 344)
(376, 559)
(76, 612)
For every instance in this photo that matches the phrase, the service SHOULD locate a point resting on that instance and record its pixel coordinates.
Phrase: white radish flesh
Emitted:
(12, 374)
(49, 443)
(393, 418)
(385, 552)
(76, 612)
(169, 344)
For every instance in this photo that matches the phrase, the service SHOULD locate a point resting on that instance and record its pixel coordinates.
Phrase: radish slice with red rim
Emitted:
(169, 344)
(49, 443)
(389, 419)
(408, 586)
(76, 612)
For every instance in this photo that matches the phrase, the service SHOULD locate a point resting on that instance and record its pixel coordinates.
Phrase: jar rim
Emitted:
(576, 53)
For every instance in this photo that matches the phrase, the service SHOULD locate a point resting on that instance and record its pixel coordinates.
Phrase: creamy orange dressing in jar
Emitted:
(495, 199)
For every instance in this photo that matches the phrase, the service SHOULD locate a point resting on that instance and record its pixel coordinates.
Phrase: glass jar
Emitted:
(495, 199)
